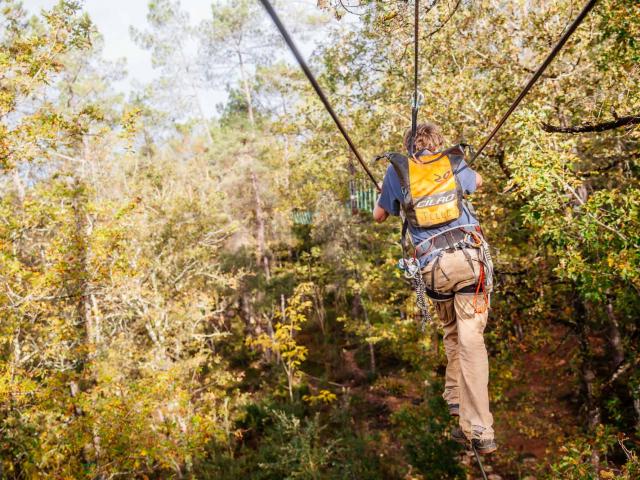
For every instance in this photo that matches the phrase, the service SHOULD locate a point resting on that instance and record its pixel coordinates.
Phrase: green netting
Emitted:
(302, 218)
(365, 200)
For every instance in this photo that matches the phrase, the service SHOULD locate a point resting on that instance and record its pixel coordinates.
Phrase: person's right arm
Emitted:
(379, 213)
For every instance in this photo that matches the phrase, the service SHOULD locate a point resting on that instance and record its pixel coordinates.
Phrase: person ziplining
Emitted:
(451, 256)
(451, 263)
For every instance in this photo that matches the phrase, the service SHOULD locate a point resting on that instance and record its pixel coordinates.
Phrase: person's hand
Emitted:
(379, 213)
(378, 199)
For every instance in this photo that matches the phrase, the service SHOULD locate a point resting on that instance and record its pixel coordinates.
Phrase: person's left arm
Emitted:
(469, 179)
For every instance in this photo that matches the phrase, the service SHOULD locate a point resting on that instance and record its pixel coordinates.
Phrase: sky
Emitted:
(113, 19)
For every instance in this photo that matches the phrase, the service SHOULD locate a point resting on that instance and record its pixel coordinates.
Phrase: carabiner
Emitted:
(416, 103)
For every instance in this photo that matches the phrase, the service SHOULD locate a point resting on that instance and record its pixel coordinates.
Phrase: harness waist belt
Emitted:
(443, 297)
(446, 240)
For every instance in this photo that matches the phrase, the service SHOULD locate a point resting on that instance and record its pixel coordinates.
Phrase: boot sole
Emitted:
(486, 451)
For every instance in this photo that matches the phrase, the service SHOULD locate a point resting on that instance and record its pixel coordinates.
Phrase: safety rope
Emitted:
(556, 49)
(411, 269)
(314, 83)
(475, 452)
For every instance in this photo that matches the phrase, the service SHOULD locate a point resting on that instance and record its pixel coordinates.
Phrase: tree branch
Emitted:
(589, 214)
(441, 26)
(609, 164)
(621, 370)
(591, 127)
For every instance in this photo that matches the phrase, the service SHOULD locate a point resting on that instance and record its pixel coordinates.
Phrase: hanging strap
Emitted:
(403, 237)
(417, 97)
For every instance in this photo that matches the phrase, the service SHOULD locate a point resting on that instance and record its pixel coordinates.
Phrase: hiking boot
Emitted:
(485, 446)
(458, 436)
(454, 409)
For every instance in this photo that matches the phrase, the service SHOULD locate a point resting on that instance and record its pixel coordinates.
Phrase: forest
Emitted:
(186, 295)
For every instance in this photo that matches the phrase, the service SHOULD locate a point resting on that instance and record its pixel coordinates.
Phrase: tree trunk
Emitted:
(268, 353)
(19, 185)
(84, 229)
(196, 97)
(84, 304)
(319, 309)
(372, 351)
(288, 368)
(246, 89)
(635, 392)
(15, 365)
(593, 412)
(260, 223)
(246, 309)
(615, 339)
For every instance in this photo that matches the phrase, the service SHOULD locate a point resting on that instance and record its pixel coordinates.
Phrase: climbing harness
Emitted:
(462, 238)
(314, 83)
(534, 78)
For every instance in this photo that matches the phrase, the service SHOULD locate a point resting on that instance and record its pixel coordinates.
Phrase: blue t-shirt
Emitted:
(391, 197)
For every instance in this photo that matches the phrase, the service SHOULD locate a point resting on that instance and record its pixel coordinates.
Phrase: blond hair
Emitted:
(428, 136)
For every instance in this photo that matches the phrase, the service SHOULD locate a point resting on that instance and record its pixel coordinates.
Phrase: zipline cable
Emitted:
(314, 83)
(576, 23)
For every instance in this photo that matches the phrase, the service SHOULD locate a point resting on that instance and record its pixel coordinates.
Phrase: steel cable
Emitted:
(314, 83)
(556, 49)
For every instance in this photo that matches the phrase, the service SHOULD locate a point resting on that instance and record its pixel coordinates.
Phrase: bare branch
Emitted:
(593, 127)
(441, 26)
(621, 370)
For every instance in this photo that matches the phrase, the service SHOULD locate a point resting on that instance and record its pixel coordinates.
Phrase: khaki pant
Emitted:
(467, 374)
